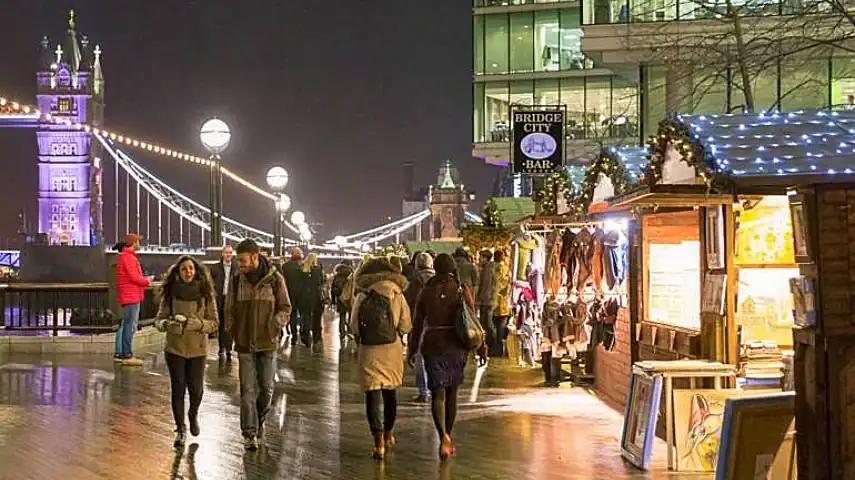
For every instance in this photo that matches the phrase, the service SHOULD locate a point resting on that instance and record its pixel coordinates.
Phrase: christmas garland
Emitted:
(491, 214)
(675, 133)
(555, 184)
(604, 164)
(483, 237)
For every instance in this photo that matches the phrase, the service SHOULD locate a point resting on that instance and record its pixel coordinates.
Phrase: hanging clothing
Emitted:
(597, 258)
(525, 246)
(535, 280)
(552, 273)
(566, 247)
(527, 321)
(603, 318)
(580, 267)
(615, 261)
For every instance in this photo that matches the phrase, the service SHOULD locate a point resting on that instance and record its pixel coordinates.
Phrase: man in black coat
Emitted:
(295, 279)
(222, 273)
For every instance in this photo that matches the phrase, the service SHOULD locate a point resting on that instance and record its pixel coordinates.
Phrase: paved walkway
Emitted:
(81, 418)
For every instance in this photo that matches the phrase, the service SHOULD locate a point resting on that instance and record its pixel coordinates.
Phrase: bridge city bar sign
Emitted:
(538, 142)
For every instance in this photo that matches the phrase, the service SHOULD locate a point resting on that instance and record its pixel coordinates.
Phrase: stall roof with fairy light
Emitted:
(718, 155)
(612, 172)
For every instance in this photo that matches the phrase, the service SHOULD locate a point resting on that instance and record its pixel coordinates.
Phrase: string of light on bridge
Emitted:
(154, 148)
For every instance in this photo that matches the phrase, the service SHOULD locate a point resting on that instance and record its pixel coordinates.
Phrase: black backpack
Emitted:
(338, 285)
(376, 324)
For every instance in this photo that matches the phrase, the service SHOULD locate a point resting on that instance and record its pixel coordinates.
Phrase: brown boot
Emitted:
(389, 439)
(379, 446)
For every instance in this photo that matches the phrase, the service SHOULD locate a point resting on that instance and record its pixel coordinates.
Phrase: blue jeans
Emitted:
(256, 372)
(127, 329)
(421, 375)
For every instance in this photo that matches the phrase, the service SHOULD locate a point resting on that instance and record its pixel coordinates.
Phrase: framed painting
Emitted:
(758, 438)
(698, 419)
(714, 238)
(639, 424)
(801, 229)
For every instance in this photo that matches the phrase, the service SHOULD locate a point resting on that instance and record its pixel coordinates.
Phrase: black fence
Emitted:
(74, 309)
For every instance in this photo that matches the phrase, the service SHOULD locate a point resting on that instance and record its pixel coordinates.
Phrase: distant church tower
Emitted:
(448, 201)
(70, 86)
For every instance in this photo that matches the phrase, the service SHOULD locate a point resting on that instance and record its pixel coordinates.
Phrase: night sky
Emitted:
(340, 92)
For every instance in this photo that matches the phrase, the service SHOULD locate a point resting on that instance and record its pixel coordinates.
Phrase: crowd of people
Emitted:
(397, 311)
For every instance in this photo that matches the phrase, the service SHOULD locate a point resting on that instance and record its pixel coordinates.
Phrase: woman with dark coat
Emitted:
(187, 313)
(312, 300)
(444, 355)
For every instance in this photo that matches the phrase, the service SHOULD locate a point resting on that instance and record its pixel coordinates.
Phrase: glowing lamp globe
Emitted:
(298, 218)
(277, 178)
(304, 228)
(340, 241)
(284, 202)
(305, 235)
(215, 136)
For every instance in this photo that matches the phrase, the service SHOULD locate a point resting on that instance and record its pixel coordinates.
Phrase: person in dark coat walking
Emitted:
(292, 270)
(222, 274)
(444, 354)
(418, 279)
(312, 301)
(341, 274)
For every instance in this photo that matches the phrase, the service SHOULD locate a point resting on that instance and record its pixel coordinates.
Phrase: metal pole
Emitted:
(219, 241)
(277, 230)
(138, 208)
(127, 202)
(159, 223)
(216, 200)
(168, 227)
(116, 206)
(147, 215)
(180, 229)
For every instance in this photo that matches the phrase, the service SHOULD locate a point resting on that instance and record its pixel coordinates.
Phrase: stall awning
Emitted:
(674, 196)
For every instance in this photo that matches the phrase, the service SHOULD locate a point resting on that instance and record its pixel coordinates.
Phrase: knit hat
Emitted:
(444, 263)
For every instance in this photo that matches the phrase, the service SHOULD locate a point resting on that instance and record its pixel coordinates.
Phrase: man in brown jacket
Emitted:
(257, 308)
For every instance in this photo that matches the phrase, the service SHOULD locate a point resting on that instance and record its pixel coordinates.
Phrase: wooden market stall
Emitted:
(745, 257)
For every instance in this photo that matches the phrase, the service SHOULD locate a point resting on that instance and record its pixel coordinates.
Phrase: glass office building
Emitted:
(528, 52)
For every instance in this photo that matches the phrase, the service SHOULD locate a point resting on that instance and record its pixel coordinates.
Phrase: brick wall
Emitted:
(613, 368)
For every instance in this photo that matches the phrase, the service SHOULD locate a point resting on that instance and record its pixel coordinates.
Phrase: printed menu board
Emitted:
(674, 284)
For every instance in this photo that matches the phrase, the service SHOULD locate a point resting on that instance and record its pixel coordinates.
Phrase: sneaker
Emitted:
(250, 443)
(180, 439)
(132, 362)
(118, 358)
(421, 398)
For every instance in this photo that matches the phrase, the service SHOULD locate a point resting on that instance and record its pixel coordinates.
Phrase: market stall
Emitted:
(744, 219)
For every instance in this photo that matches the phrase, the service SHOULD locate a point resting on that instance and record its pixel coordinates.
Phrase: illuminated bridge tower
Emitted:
(448, 201)
(70, 86)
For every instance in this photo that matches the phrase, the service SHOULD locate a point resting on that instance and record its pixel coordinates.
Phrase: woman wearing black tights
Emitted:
(435, 336)
(187, 313)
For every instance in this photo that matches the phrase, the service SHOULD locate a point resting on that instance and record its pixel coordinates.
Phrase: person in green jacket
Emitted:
(187, 313)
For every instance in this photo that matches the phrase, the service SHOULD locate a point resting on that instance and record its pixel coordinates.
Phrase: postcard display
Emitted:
(569, 283)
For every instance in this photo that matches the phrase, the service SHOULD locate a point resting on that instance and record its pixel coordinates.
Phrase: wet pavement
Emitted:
(81, 417)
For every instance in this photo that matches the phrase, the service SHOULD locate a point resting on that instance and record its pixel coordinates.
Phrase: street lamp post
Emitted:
(277, 179)
(215, 136)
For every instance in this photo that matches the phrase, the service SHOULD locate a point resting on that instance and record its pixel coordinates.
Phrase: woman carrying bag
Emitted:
(187, 313)
(438, 324)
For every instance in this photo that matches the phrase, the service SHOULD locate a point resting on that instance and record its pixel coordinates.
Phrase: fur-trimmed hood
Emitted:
(383, 282)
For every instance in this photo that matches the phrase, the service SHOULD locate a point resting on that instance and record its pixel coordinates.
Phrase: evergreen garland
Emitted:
(491, 214)
(675, 133)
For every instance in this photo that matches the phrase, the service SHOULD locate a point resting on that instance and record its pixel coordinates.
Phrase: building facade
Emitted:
(528, 52)
(71, 87)
(620, 67)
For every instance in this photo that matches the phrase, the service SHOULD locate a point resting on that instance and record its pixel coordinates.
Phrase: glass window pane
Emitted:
(598, 12)
(624, 108)
(478, 117)
(546, 92)
(522, 42)
(656, 100)
(765, 89)
(598, 103)
(546, 43)
(497, 109)
(496, 44)
(573, 96)
(478, 44)
(522, 92)
(843, 83)
(654, 10)
(570, 35)
(804, 84)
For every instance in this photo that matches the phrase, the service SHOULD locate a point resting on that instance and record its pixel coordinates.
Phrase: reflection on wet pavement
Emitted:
(81, 417)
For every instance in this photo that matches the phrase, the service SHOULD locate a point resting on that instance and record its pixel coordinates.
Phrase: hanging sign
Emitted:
(538, 146)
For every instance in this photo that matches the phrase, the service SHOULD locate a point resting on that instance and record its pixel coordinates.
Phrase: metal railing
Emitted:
(50, 308)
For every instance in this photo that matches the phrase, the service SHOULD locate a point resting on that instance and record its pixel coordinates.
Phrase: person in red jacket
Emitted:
(130, 287)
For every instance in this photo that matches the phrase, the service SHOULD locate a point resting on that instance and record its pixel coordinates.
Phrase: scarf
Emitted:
(187, 291)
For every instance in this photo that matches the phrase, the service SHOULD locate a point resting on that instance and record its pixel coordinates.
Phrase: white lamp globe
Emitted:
(284, 202)
(340, 241)
(215, 136)
(305, 235)
(277, 178)
(304, 228)
(298, 218)
(366, 248)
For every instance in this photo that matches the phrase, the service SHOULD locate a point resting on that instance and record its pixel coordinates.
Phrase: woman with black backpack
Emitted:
(379, 320)
(436, 325)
